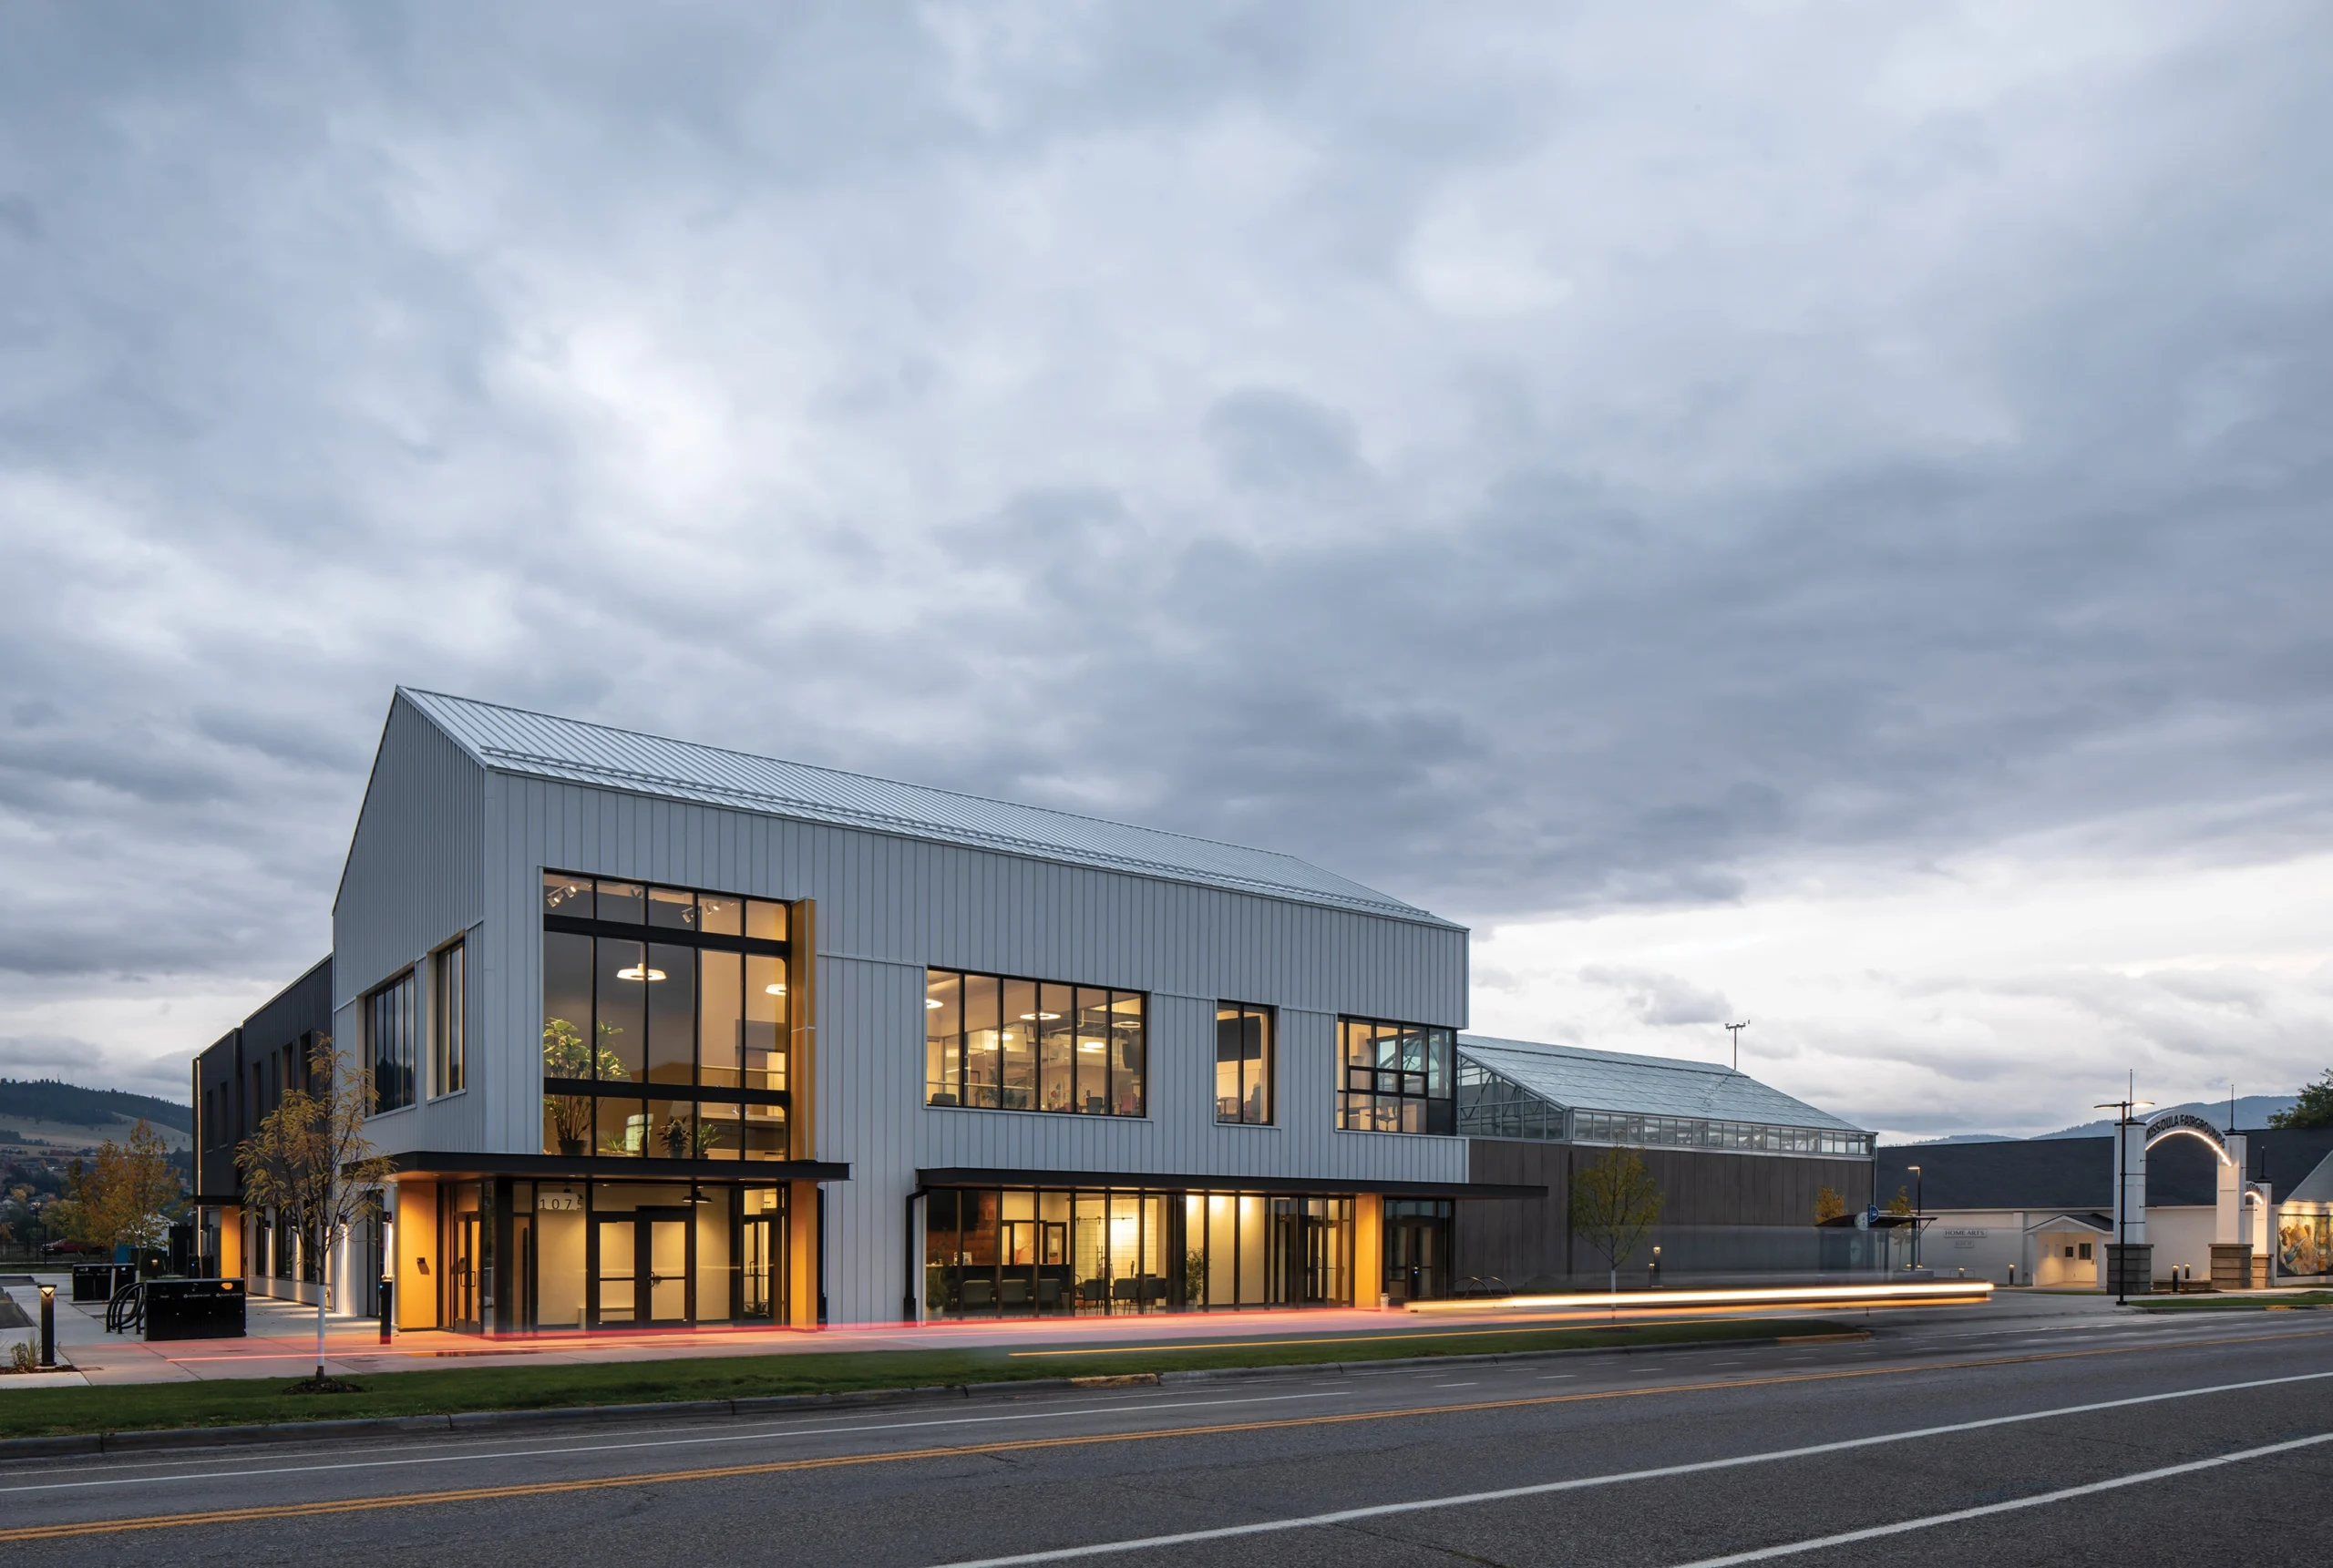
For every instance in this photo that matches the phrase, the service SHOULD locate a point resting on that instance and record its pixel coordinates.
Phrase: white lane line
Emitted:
(1457, 1385)
(2092, 1489)
(1582, 1483)
(768, 1432)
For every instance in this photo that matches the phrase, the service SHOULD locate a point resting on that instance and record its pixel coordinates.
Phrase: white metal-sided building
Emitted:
(665, 1033)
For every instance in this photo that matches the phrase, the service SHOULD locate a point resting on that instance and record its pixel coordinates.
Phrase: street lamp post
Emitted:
(2121, 1267)
(1917, 1211)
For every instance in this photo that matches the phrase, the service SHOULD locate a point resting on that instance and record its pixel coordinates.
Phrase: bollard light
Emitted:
(49, 1325)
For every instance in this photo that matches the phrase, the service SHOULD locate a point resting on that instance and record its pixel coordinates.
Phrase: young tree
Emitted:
(125, 1195)
(1615, 1203)
(2315, 1108)
(311, 1157)
(1829, 1204)
(1901, 1203)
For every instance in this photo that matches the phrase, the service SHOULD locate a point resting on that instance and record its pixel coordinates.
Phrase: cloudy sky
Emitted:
(1811, 513)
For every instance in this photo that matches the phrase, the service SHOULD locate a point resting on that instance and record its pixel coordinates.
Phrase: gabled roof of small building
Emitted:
(2317, 1187)
(1588, 1080)
(568, 751)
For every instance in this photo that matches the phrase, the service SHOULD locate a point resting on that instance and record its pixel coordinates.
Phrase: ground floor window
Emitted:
(523, 1257)
(1033, 1251)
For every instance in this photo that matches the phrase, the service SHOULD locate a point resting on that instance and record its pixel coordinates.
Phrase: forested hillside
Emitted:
(47, 1100)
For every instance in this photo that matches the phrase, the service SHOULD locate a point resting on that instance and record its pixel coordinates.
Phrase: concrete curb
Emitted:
(187, 1438)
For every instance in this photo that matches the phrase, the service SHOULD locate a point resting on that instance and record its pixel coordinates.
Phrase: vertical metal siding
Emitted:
(414, 881)
(443, 846)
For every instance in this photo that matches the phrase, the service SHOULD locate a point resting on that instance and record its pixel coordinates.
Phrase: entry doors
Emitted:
(647, 1260)
(1417, 1251)
(463, 1278)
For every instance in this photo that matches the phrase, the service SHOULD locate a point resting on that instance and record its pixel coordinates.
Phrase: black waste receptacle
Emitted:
(93, 1281)
(194, 1309)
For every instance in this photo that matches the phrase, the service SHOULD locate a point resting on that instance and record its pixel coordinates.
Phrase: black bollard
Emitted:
(388, 1306)
(49, 1325)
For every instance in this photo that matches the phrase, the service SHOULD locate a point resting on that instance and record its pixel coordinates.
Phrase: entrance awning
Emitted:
(1316, 1186)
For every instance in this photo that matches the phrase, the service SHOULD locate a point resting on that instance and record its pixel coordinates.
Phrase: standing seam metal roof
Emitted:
(568, 751)
(1586, 1079)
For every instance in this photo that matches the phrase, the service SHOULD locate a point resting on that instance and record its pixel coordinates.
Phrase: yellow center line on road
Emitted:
(263, 1511)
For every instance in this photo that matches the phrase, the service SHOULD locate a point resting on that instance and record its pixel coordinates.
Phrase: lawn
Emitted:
(2238, 1302)
(146, 1406)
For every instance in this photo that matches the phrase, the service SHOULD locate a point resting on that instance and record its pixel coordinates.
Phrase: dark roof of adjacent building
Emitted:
(568, 751)
(2079, 1173)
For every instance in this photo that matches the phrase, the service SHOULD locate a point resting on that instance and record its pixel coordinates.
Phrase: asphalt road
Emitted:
(1972, 1437)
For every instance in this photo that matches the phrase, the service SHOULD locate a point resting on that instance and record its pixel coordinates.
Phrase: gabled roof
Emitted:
(2317, 1187)
(2102, 1224)
(1587, 1079)
(568, 751)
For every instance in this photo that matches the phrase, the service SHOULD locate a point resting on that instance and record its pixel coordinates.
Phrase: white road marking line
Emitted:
(2092, 1489)
(1662, 1472)
(1457, 1385)
(771, 1433)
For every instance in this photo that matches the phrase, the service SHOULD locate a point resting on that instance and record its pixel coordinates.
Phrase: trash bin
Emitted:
(194, 1309)
(96, 1281)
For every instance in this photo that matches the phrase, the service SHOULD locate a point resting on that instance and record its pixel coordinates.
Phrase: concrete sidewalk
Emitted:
(281, 1340)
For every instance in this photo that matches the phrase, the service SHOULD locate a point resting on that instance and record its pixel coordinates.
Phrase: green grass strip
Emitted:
(2299, 1300)
(138, 1407)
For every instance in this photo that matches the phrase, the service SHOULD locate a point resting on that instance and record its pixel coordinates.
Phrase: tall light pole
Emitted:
(1917, 1189)
(2121, 1265)
(1735, 1031)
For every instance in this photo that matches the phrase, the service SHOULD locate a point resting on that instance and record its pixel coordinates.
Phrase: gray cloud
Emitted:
(1662, 999)
(1516, 464)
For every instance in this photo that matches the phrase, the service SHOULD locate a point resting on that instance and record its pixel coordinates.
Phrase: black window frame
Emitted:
(1375, 1097)
(449, 1019)
(1114, 1072)
(1267, 1072)
(391, 1050)
(684, 1104)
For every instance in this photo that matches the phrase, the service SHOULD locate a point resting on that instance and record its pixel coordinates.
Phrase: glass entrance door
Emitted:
(1417, 1248)
(644, 1267)
(619, 1271)
(462, 1278)
(667, 1253)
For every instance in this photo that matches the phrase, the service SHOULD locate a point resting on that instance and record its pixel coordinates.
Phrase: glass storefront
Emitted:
(609, 1255)
(1022, 1251)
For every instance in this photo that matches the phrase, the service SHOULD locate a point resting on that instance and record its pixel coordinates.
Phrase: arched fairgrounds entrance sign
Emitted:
(2130, 1256)
(2177, 1123)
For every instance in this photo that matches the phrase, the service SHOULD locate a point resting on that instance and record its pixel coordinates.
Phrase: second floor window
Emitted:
(1396, 1077)
(1243, 1063)
(450, 991)
(1000, 1044)
(390, 1028)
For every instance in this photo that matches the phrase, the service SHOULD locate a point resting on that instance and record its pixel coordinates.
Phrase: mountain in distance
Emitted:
(2252, 1114)
(48, 1100)
(1963, 1138)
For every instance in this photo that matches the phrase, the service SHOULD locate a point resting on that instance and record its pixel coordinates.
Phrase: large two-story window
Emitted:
(392, 1031)
(1396, 1077)
(1243, 1063)
(666, 1021)
(1000, 1044)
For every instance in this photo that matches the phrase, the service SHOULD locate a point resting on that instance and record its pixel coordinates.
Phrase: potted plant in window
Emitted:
(566, 1056)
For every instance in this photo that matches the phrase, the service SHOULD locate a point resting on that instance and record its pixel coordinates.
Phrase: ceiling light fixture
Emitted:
(1044, 1016)
(931, 1003)
(639, 972)
(775, 991)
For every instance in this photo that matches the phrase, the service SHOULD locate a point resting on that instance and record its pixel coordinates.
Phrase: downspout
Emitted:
(908, 1299)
